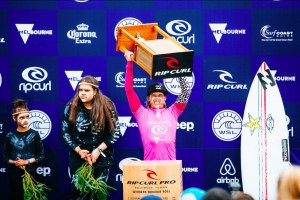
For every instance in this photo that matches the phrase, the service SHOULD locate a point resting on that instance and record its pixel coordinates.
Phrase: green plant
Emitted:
(32, 188)
(87, 184)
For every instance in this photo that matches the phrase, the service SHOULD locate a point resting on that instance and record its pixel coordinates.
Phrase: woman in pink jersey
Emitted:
(157, 123)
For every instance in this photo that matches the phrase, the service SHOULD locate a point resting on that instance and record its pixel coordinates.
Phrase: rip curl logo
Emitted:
(172, 62)
(224, 76)
(178, 27)
(151, 174)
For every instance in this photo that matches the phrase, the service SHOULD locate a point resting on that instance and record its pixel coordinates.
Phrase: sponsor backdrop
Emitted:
(47, 46)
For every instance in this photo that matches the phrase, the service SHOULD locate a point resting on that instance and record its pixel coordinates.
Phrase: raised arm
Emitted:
(184, 96)
(132, 97)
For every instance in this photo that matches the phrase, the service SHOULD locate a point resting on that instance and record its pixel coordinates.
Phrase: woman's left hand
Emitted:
(95, 155)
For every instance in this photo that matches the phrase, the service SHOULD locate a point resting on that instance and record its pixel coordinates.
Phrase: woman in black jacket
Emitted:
(90, 127)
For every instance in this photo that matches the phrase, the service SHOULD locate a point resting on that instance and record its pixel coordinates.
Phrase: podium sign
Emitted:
(161, 178)
(160, 58)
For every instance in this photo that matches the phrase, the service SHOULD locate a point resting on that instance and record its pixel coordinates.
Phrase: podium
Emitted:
(160, 58)
(161, 178)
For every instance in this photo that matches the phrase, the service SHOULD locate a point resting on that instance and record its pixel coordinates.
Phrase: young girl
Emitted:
(22, 148)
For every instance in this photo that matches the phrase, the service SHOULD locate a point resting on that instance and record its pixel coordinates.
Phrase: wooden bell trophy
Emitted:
(160, 58)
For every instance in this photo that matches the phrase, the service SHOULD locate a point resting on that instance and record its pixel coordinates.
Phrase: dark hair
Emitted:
(101, 109)
(19, 105)
(217, 194)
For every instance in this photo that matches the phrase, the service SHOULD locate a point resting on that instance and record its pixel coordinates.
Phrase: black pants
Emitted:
(15, 180)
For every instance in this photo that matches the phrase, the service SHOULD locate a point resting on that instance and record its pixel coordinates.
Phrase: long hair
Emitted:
(19, 105)
(289, 184)
(101, 107)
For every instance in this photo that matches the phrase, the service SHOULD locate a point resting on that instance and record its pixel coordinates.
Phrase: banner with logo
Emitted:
(46, 47)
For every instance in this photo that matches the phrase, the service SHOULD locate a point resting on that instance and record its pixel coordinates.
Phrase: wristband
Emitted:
(101, 152)
(28, 161)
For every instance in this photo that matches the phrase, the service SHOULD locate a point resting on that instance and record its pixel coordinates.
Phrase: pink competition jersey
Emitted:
(158, 132)
(157, 127)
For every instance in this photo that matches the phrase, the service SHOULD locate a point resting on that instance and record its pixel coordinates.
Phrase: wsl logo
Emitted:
(25, 31)
(173, 85)
(129, 21)
(227, 78)
(227, 169)
(180, 30)
(35, 77)
(219, 29)
(227, 125)
(40, 122)
(82, 35)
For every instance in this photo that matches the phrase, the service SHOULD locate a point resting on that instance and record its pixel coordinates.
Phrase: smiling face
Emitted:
(22, 121)
(157, 100)
(86, 94)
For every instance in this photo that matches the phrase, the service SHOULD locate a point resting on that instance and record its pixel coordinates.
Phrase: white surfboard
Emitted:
(264, 138)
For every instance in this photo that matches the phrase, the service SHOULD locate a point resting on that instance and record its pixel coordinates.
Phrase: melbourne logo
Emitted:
(227, 169)
(35, 77)
(227, 78)
(219, 29)
(227, 125)
(40, 122)
(180, 30)
(173, 85)
(137, 82)
(75, 76)
(129, 21)
(82, 35)
(26, 30)
(125, 123)
(270, 35)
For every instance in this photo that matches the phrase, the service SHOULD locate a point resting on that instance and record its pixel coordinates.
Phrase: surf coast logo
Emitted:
(227, 171)
(227, 78)
(137, 82)
(219, 29)
(173, 85)
(75, 76)
(180, 31)
(82, 35)
(125, 123)
(35, 78)
(26, 30)
(253, 123)
(270, 34)
(40, 122)
(227, 125)
(128, 21)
